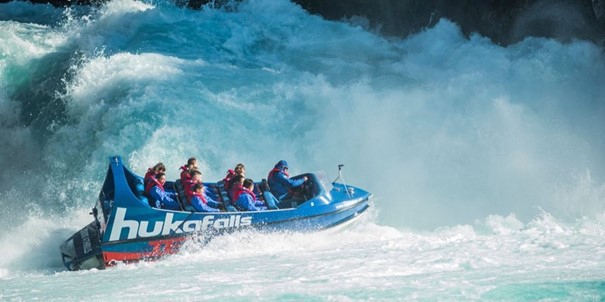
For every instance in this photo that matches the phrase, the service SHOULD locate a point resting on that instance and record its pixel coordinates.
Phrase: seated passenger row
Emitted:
(238, 191)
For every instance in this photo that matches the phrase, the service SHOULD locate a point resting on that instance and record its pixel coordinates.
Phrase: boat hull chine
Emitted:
(134, 251)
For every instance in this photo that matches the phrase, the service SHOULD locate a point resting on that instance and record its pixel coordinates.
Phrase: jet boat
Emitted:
(127, 229)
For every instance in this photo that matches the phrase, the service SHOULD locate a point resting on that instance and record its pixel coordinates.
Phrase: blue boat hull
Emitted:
(127, 229)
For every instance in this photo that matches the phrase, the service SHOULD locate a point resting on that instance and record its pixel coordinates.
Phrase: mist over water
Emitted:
(449, 133)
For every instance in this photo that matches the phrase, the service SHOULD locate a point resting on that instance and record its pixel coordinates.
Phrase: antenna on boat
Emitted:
(343, 179)
(339, 173)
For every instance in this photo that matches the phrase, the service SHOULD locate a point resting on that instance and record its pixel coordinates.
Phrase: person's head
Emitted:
(159, 167)
(161, 177)
(192, 161)
(238, 179)
(195, 174)
(281, 165)
(240, 169)
(249, 184)
(198, 187)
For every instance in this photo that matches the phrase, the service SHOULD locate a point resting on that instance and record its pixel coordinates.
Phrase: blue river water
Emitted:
(486, 162)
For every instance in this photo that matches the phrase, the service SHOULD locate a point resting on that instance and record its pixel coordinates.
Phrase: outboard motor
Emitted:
(79, 250)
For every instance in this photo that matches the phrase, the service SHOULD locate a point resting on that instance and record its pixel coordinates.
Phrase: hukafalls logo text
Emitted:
(141, 228)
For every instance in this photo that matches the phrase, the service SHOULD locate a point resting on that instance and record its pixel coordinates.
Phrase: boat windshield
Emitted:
(324, 181)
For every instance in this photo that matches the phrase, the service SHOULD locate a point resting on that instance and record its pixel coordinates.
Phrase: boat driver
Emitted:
(280, 183)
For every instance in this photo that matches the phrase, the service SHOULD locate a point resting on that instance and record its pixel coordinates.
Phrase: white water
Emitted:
(486, 162)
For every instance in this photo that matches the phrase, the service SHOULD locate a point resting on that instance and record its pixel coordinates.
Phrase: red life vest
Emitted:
(234, 189)
(185, 173)
(241, 190)
(149, 175)
(275, 170)
(188, 186)
(153, 182)
(230, 174)
(200, 195)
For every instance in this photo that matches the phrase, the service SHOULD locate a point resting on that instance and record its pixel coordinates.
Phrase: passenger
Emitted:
(238, 182)
(229, 180)
(191, 164)
(152, 172)
(195, 176)
(163, 199)
(200, 202)
(230, 174)
(245, 199)
(185, 170)
(280, 183)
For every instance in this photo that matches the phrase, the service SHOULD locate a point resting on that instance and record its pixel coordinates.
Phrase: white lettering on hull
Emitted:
(141, 229)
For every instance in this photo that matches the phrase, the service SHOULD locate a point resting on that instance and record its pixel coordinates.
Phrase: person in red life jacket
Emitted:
(191, 164)
(200, 202)
(161, 198)
(152, 172)
(231, 173)
(280, 183)
(229, 180)
(195, 176)
(238, 182)
(246, 200)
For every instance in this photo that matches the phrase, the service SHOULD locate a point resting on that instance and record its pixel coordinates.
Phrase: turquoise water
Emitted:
(486, 162)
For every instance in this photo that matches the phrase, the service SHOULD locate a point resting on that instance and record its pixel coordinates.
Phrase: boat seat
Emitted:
(264, 186)
(224, 196)
(137, 187)
(180, 193)
(222, 192)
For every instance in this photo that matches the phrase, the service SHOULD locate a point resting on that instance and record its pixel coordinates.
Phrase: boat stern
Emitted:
(83, 249)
